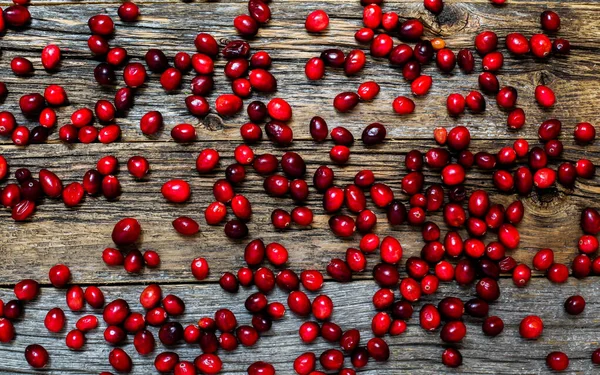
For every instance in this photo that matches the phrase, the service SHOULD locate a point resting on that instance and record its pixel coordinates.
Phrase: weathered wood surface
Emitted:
(414, 352)
(77, 236)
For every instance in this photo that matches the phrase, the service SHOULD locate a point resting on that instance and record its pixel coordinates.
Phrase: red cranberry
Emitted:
(120, 360)
(561, 46)
(466, 61)
(453, 331)
(574, 305)
(486, 42)
(36, 356)
(451, 357)
(316, 21)
(488, 83)
(531, 327)
(545, 96)
(541, 46)
(339, 270)
(557, 361)
(54, 321)
(550, 21)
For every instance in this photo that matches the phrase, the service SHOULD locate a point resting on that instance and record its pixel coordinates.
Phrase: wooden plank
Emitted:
(79, 235)
(415, 351)
(573, 77)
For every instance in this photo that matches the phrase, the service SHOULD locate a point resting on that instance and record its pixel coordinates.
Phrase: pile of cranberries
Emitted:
(454, 251)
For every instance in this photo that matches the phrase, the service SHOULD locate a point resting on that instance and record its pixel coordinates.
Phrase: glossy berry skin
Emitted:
(26, 290)
(36, 356)
(451, 358)
(574, 305)
(421, 85)
(541, 46)
(550, 21)
(545, 96)
(531, 327)
(126, 231)
(316, 21)
(128, 11)
(557, 361)
(492, 326)
(134, 75)
(346, 101)
(55, 320)
(120, 360)
(314, 69)
(517, 43)
(176, 191)
(403, 105)
(17, 16)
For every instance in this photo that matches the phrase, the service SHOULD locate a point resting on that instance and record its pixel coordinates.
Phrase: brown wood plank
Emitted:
(77, 236)
(80, 234)
(415, 351)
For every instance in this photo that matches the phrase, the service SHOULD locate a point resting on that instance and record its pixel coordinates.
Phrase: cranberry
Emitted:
(120, 360)
(403, 105)
(128, 12)
(421, 85)
(488, 83)
(453, 331)
(574, 305)
(134, 75)
(557, 361)
(541, 46)
(261, 368)
(590, 221)
(372, 16)
(446, 60)
(550, 21)
(173, 305)
(94, 296)
(36, 356)
(378, 349)
(434, 6)
(116, 312)
(166, 361)
(316, 21)
(451, 357)
(339, 270)
(54, 321)
(411, 71)
(87, 323)
(517, 43)
(346, 101)
(364, 35)
(553, 148)
(531, 327)
(411, 30)
(466, 61)
(262, 81)
(170, 333)
(21, 66)
(585, 168)
(545, 96)
(208, 363)
(279, 133)
(342, 136)
(561, 46)
(236, 229)
(374, 134)
(354, 62)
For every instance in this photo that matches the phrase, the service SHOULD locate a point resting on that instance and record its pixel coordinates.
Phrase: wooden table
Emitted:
(76, 237)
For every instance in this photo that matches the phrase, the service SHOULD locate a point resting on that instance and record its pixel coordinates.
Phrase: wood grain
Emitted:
(77, 236)
(416, 351)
